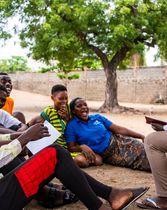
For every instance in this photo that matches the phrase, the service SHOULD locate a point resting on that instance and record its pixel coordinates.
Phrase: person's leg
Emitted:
(99, 188)
(126, 152)
(11, 194)
(72, 177)
(55, 162)
(98, 160)
(39, 170)
(12, 165)
(20, 116)
(156, 147)
(66, 169)
(50, 195)
(81, 161)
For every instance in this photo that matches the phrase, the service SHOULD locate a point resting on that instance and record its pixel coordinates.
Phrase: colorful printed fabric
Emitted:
(36, 170)
(9, 152)
(126, 152)
(51, 115)
(5, 137)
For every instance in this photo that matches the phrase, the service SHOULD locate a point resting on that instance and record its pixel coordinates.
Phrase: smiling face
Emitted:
(3, 96)
(6, 81)
(60, 99)
(81, 109)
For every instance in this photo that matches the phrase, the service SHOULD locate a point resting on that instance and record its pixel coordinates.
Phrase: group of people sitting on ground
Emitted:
(85, 140)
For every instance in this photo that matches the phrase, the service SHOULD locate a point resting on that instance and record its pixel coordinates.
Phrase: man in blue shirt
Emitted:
(96, 135)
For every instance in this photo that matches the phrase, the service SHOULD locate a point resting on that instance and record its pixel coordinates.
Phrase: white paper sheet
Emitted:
(36, 146)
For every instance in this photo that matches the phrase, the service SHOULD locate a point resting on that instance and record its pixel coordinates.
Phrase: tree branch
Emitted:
(134, 10)
(96, 50)
(118, 57)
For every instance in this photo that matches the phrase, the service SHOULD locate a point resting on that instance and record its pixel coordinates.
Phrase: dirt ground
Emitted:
(32, 104)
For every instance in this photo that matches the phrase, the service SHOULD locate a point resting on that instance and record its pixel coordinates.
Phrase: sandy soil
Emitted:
(31, 104)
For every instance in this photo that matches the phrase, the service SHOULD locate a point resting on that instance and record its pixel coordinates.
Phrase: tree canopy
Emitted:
(71, 30)
(14, 64)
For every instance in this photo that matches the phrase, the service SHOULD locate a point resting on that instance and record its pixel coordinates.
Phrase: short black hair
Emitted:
(3, 73)
(72, 103)
(57, 88)
(2, 88)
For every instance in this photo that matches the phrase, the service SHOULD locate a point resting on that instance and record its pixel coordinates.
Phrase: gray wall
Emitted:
(138, 86)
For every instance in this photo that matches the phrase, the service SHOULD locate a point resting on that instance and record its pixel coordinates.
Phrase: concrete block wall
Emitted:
(137, 86)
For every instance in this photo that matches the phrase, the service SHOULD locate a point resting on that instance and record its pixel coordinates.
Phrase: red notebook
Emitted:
(150, 120)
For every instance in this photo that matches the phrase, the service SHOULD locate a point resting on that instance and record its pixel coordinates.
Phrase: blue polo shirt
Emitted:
(94, 133)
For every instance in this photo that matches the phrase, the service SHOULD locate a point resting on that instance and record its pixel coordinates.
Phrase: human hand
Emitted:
(157, 126)
(23, 127)
(63, 112)
(142, 138)
(37, 131)
(33, 133)
(88, 153)
(35, 120)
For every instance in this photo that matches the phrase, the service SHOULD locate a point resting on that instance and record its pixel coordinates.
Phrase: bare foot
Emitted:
(120, 198)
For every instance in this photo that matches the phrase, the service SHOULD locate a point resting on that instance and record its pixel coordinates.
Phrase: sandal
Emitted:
(149, 203)
(58, 197)
(137, 193)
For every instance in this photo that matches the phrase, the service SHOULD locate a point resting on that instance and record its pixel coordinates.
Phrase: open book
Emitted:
(150, 120)
(36, 146)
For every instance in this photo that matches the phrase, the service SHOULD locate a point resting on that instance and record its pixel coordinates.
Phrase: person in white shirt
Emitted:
(9, 122)
(10, 129)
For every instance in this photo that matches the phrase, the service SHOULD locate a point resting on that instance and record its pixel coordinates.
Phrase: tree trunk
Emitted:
(110, 67)
(111, 99)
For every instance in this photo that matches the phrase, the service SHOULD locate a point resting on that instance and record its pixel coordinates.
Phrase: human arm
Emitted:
(9, 151)
(11, 130)
(35, 120)
(5, 130)
(84, 149)
(22, 127)
(9, 136)
(74, 146)
(125, 131)
(9, 123)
